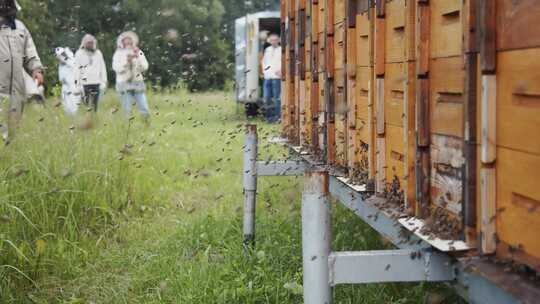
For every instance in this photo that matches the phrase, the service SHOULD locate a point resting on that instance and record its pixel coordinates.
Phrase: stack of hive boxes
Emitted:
(436, 103)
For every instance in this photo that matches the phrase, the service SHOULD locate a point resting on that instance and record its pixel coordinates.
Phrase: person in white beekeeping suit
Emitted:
(271, 68)
(71, 92)
(18, 56)
(129, 63)
(91, 72)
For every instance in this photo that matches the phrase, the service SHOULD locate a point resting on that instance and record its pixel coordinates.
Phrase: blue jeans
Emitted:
(140, 98)
(272, 89)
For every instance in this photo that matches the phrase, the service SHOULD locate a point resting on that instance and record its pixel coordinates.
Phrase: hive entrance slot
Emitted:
(398, 94)
(450, 97)
(527, 99)
(523, 201)
(399, 28)
(451, 16)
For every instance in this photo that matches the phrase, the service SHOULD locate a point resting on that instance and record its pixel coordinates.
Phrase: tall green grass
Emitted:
(122, 212)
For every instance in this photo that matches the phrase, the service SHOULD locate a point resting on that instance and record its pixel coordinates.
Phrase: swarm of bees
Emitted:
(441, 224)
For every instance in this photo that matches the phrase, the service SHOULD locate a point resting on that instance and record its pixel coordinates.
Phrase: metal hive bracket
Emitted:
(415, 260)
(281, 168)
(382, 266)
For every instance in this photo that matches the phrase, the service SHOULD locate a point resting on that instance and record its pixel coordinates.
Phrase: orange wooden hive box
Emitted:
(437, 101)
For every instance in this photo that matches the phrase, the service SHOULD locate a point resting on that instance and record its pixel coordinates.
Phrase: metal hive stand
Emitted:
(415, 259)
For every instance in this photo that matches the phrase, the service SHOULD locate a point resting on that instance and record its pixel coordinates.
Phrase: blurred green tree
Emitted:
(187, 41)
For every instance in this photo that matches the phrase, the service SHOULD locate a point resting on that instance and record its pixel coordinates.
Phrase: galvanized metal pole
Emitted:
(250, 183)
(316, 237)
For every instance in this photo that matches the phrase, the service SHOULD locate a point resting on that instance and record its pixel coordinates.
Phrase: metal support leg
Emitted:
(250, 183)
(316, 238)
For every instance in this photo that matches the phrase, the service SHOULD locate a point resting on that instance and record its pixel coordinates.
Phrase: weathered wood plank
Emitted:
(422, 113)
(380, 49)
(322, 16)
(314, 115)
(351, 103)
(351, 53)
(409, 137)
(470, 27)
(381, 164)
(330, 121)
(488, 35)
(330, 56)
(315, 19)
(330, 15)
(410, 30)
(470, 148)
(302, 112)
(488, 122)
(517, 24)
(423, 38)
(340, 46)
(488, 207)
(380, 6)
(423, 184)
(340, 12)
(379, 97)
(372, 130)
(352, 11)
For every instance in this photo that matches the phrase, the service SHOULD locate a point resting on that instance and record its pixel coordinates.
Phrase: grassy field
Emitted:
(118, 212)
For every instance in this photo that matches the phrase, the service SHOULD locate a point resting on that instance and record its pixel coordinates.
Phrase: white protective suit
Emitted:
(129, 76)
(90, 65)
(71, 92)
(18, 55)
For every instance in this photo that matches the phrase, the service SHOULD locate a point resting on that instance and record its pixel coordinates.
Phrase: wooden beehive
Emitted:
(350, 74)
(329, 127)
(394, 99)
(442, 29)
(300, 82)
(289, 91)
(436, 100)
(364, 167)
(509, 123)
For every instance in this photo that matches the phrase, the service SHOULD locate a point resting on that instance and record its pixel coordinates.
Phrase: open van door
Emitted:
(250, 42)
(240, 59)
